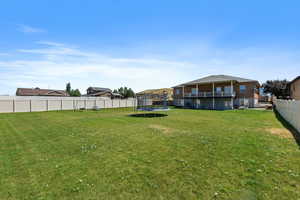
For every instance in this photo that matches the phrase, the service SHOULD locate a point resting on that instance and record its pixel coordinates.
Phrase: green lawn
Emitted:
(190, 154)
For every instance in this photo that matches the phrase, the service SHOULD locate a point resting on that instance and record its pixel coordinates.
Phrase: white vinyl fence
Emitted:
(10, 104)
(290, 111)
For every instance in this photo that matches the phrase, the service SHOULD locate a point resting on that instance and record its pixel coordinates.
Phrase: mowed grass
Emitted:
(190, 154)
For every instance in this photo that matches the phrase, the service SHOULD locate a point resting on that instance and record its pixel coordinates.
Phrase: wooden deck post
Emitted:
(183, 95)
(213, 93)
(197, 95)
(231, 94)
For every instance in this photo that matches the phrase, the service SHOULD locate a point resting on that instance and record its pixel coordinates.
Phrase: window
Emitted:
(242, 88)
(227, 89)
(218, 89)
(194, 90)
(177, 91)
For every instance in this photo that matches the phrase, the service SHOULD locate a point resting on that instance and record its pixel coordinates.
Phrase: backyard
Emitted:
(106, 154)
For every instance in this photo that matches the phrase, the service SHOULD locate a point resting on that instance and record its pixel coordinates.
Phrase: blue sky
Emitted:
(145, 44)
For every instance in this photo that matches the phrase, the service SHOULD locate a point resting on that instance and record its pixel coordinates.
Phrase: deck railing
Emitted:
(210, 94)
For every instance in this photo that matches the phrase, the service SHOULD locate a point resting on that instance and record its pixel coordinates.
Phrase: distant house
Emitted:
(102, 92)
(295, 88)
(40, 92)
(157, 95)
(217, 92)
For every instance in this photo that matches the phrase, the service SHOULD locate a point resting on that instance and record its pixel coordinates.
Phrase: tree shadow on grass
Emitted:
(288, 126)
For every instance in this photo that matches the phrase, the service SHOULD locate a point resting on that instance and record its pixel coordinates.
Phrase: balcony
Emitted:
(209, 94)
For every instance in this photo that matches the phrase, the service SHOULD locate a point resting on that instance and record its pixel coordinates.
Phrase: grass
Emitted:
(190, 154)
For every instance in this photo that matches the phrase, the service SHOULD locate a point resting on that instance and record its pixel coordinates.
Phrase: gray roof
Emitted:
(217, 78)
(99, 88)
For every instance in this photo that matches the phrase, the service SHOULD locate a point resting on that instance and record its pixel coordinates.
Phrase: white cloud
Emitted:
(57, 63)
(49, 43)
(29, 29)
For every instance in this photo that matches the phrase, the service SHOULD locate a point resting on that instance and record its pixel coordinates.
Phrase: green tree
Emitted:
(75, 93)
(68, 88)
(278, 88)
(125, 92)
(71, 92)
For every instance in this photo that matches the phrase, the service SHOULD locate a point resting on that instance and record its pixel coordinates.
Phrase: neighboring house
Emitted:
(295, 88)
(158, 96)
(102, 92)
(264, 97)
(40, 92)
(217, 92)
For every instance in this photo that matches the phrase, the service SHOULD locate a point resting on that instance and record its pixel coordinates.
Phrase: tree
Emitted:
(125, 92)
(68, 88)
(278, 88)
(75, 93)
(115, 91)
(71, 92)
(130, 93)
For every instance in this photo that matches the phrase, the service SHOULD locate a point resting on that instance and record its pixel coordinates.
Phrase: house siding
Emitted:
(295, 90)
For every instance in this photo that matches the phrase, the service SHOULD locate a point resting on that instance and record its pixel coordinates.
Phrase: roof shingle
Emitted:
(40, 92)
(215, 79)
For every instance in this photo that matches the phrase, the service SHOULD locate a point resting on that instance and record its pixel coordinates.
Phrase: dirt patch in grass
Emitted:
(282, 132)
(161, 128)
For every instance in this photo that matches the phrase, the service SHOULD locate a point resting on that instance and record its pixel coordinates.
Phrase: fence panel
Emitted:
(33, 104)
(68, 105)
(38, 105)
(90, 104)
(6, 106)
(22, 106)
(54, 105)
(290, 111)
(108, 104)
(123, 103)
(100, 103)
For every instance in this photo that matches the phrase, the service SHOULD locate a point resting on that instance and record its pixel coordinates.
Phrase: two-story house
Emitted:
(217, 92)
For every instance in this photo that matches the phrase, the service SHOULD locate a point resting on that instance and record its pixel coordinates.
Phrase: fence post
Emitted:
(61, 104)
(30, 105)
(85, 104)
(14, 106)
(104, 103)
(47, 105)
